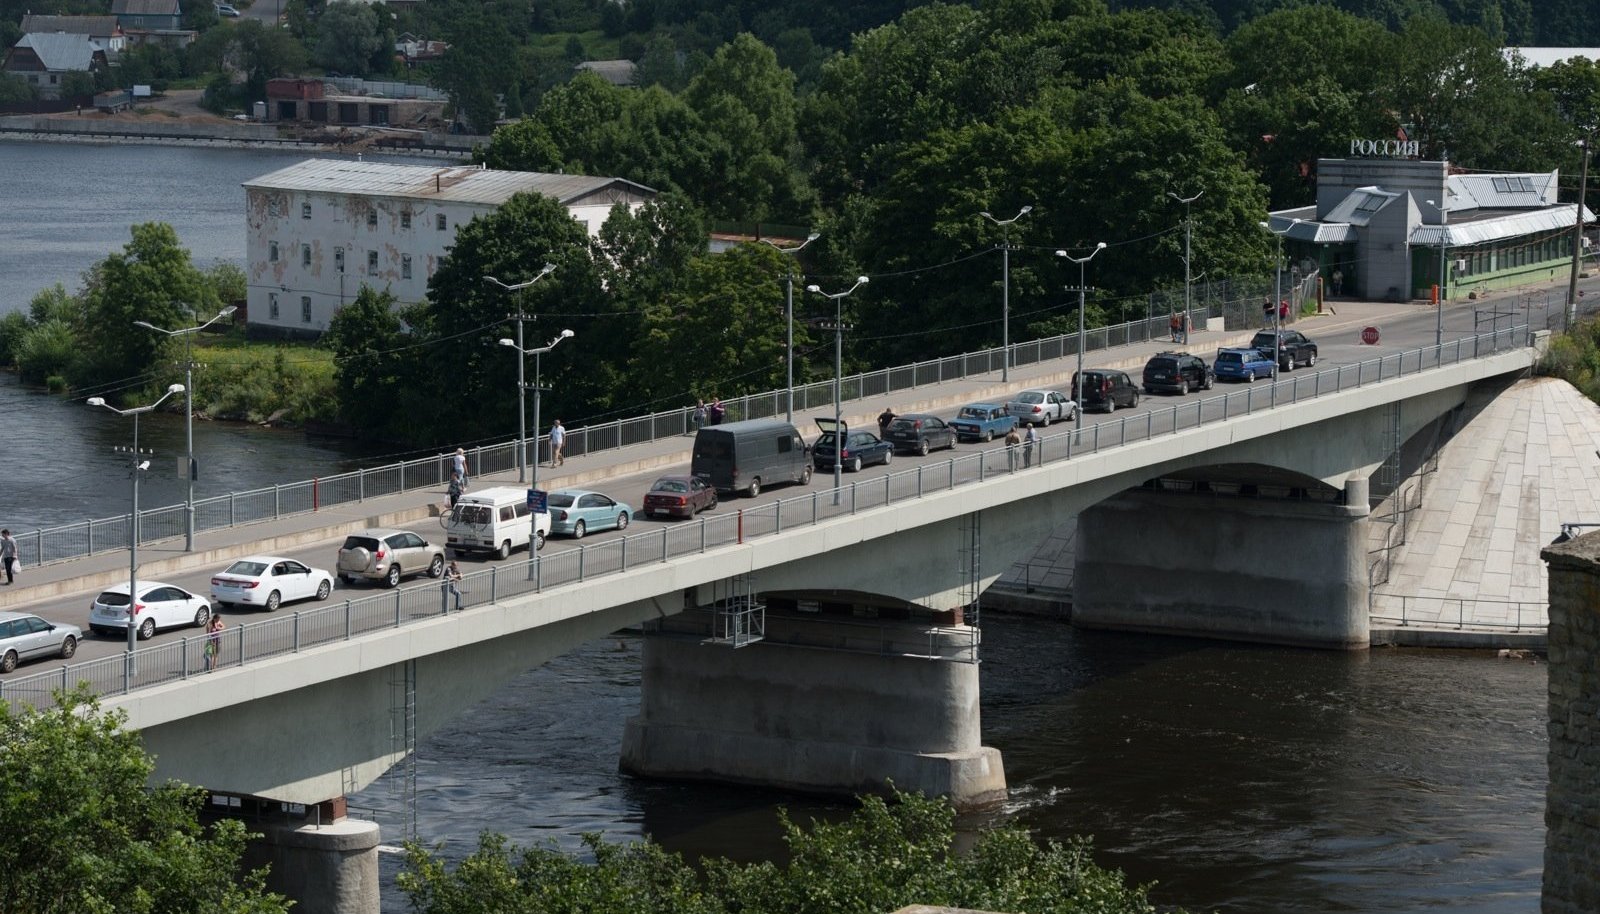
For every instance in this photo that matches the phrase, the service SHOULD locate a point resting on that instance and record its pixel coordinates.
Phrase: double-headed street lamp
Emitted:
(522, 354)
(522, 409)
(1277, 289)
(1444, 273)
(788, 316)
(1188, 231)
(133, 532)
(1077, 379)
(1005, 286)
(188, 411)
(838, 376)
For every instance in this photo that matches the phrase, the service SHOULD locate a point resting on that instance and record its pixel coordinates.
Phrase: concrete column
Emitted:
(1271, 570)
(821, 706)
(1572, 798)
(327, 868)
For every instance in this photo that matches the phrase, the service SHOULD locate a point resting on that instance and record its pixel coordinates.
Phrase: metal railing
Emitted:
(254, 641)
(1520, 615)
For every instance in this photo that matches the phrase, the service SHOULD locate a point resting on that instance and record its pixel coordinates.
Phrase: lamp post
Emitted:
(1577, 235)
(188, 412)
(788, 317)
(1005, 286)
(133, 520)
(533, 483)
(838, 375)
(1077, 377)
(1444, 275)
(1188, 230)
(522, 408)
(1277, 291)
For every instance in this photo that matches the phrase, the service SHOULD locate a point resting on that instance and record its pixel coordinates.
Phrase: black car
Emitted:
(1106, 389)
(1178, 372)
(920, 432)
(1292, 348)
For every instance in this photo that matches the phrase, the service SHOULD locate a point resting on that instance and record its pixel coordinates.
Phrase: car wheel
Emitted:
(578, 530)
(8, 662)
(274, 600)
(888, 456)
(855, 464)
(538, 541)
(1250, 376)
(202, 616)
(1183, 389)
(69, 646)
(988, 434)
(754, 488)
(1044, 420)
(392, 579)
(1311, 360)
(147, 629)
(323, 589)
(1111, 404)
(622, 520)
(1210, 380)
(436, 567)
(922, 447)
(1135, 403)
(503, 552)
(347, 578)
(805, 480)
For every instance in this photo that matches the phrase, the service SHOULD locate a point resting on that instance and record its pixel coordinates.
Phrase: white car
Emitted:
(1041, 407)
(269, 581)
(159, 606)
(226, 9)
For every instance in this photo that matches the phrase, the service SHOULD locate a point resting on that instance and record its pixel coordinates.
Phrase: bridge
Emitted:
(1238, 515)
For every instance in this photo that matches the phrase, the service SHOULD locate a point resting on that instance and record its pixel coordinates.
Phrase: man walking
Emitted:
(1028, 441)
(558, 440)
(8, 555)
(452, 582)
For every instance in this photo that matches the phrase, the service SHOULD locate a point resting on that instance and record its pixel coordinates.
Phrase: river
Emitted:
(1243, 779)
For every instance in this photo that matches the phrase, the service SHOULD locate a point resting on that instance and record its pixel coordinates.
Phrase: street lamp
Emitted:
(1277, 289)
(133, 536)
(1444, 276)
(1077, 379)
(522, 409)
(536, 353)
(1577, 234)
(788, 315)
(188, 411)
(1188, 229)
(838, 375)
(1005, 286)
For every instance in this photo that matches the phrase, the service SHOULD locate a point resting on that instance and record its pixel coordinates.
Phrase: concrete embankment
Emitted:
(153, 131)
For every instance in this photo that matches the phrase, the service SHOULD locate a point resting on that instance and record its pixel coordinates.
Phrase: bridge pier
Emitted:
(821, 705)
(1289, 571)
(326, 862)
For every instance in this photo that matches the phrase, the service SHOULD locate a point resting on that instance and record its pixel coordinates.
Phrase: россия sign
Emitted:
(1398, 149)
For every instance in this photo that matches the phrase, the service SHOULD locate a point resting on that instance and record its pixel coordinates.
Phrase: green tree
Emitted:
(77, 84)
(348, 35)
(250, 49)
(15, 90)
(81, 830)
(1573, 87)
(373, 355)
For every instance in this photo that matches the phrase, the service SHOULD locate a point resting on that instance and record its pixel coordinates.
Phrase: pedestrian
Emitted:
(1028, 441)
(458, 465)
(1338, 281)
(1175, 323)
(558, 440)
(717, 410)
(699, 417)
(214, 641)
(455, 488)
(452, 582)
(8, 555)
(1283, 310)
(1013, 440)
(884, 418)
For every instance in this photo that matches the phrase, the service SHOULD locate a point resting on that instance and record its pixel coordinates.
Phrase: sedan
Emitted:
(269, 580)
(679, 496)
(921, 433)
(575, 512)
(1041, 407)
(983, 421)
(860, 449)
(159, 606)
(24, 636)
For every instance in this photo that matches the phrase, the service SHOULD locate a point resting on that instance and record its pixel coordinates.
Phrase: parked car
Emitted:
(1178, 372)
(388, 556)
(860, 449)
(575, 512)
(1041, 407)
(679, 496)
(269, 581)
(158, 606)
(983, 421)
(1243, 365)
(745, 456)
(1106, 389)
(25, 636)
(226, 10)
(1292, 348)
(495, 520)
(921, 433)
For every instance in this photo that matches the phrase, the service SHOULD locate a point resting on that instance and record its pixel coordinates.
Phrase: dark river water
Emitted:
(1241, 779)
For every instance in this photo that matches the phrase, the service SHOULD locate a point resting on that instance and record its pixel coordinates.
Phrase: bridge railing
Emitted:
(252, 642)
(1507, 615)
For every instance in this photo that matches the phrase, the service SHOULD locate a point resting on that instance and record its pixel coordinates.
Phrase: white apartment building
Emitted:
(318, 231)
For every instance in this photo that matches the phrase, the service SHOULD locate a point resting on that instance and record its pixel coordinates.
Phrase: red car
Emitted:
(679, 496)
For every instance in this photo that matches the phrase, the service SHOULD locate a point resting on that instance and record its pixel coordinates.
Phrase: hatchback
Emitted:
(25, 636)
(921, 433)
(575, 512)
(1106, 389)
(159, 606)
(679, 496)
(860, 449)
(269, 581)
(387, 556)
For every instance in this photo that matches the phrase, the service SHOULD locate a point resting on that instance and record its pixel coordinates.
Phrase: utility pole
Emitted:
(788, 317)
(1005, 286)
(522, 408)
(1188, 229)
(1577, 236)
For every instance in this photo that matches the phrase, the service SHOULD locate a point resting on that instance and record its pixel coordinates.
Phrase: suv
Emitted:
(1178, 372)
(1292, 348)
(1106, 389)
(387, 556)
(1244, 364)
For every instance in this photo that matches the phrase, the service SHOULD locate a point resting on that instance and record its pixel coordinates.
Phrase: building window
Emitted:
(372, 217)
(305, 309)
(439, 221)
(372, 261)
(405, 266)
(272, 306)
(272, 207)
(305, 255)
(338, 259)
(272, 252)
(305, 211)
(405, 218)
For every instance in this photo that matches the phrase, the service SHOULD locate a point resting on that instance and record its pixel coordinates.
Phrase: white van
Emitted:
(495, 520)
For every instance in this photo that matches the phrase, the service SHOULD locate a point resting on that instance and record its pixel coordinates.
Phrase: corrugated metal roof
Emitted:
(1361, 205)
(427, 182)
(1508, 191)
(1482, 231)
(145, 8)
(1301, 225)
(97, 26)
(60, 50)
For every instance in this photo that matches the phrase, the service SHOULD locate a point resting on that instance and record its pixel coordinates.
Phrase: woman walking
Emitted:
(213, 641)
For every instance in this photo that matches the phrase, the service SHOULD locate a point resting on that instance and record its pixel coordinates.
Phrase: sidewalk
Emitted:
(215, 548)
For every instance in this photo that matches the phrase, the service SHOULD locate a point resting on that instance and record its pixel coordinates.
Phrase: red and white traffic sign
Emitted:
(1369, 335)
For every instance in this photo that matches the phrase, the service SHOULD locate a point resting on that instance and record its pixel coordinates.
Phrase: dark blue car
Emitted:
(1243, 365)
(860, 449)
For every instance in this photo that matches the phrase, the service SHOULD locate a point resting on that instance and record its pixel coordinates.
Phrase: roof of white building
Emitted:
(1544, 57)
(458, 184)
(60, 50)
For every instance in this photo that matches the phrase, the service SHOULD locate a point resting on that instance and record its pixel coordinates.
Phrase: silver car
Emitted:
(388, 556)
(24, 636)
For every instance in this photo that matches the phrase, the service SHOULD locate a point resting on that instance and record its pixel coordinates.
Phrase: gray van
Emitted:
(744, 456)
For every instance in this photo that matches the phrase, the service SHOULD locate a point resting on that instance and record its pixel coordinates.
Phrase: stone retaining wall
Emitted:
(1572, 800)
